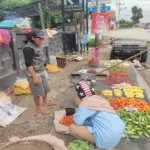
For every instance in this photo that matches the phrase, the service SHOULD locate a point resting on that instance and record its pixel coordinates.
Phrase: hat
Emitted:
(84, 89)
(37, 34)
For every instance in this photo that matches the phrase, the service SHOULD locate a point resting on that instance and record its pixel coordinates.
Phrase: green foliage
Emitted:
(137, 14)
(1, 17)
(125, 24)
(36, 22)
(10, 4)
(46, 16)
(103, 4)
(92, 42)
(51, 19)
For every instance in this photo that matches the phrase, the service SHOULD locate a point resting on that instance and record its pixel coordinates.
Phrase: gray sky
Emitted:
(126, 14)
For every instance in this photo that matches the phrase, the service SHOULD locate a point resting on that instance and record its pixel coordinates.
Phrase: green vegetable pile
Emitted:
(137, 123)
(79, 145)
(118, 68)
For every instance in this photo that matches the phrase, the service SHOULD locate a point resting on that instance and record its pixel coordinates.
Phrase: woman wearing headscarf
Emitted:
(95, 120)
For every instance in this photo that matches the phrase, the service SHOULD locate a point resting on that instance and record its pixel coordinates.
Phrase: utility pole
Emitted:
(41, 16)
(97, 34)
(119, 4)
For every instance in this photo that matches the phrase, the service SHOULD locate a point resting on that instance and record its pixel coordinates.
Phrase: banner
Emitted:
(100, 23)
(92, 3)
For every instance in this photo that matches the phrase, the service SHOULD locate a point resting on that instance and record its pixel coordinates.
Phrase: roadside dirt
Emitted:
(31, 123)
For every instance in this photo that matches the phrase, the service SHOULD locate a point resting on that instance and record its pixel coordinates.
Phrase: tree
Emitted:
(1, 17)
(51, 19)
(10, 4)
(125, 24)
(136, 14)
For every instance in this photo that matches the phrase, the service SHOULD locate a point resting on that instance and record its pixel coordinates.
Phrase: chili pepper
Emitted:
(119, 103)
(66, 120)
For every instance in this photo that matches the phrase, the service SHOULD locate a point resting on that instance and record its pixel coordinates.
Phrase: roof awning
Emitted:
(131, 34)
(7, 24)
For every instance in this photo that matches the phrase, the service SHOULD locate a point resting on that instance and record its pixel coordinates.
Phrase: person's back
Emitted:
(95, 120)
(107, 128)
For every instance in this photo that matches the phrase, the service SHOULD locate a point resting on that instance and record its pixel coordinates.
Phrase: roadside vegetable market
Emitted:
(120, 87)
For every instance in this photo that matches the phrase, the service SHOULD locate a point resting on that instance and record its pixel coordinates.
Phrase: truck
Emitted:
(123, 49)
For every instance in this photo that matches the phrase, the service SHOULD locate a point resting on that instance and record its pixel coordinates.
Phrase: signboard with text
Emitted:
(100, 23)
(102, 8)
(92, 5)
(72, 6)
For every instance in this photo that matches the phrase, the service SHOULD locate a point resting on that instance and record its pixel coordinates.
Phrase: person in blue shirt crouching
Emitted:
(95, 120)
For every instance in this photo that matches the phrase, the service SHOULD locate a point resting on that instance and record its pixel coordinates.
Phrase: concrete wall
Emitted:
(12, 60)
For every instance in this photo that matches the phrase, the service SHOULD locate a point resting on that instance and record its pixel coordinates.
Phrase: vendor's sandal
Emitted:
(42, 111)
(50, 103)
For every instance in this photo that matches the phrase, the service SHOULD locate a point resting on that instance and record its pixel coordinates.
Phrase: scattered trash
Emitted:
(74, 58)
(8, 112)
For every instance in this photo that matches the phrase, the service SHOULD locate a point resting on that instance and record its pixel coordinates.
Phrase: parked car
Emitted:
(123, 49)
(148, 30)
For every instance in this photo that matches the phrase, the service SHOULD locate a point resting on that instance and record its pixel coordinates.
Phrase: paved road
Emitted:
(146, 72)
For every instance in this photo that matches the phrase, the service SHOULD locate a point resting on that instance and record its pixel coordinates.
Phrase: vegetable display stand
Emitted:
(61, 61)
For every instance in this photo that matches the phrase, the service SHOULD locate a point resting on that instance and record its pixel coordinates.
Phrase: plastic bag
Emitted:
(21, 83)
(94, 62)
(5, 37)
(53, 68)
(20, 91)
(3, 95)
(53, 60)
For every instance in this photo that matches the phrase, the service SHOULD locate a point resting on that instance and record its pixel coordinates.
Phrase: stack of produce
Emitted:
(119, 68)
(117, 79)
(53, 68)
(19, 91)
(91, 71)
(79, 145)
(120, 86)
(67, 120)
(137, 123)
(119, 103)
(115, 62)
(121, 73)
(21, 87)
(94, 62)
(133, 91)
(122, 67)
(117, 92)
(107, 93)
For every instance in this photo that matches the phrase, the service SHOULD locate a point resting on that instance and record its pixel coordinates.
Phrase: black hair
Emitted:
(32, 34)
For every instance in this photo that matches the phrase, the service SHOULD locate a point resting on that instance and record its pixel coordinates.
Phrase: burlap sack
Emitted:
(59, 127)
(40, 142)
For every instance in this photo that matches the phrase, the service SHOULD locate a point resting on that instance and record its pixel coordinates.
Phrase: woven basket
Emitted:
(61, 62)
(28, 145)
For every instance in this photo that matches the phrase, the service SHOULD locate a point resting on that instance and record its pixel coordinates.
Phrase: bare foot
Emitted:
(49, 103)
(42, 111)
